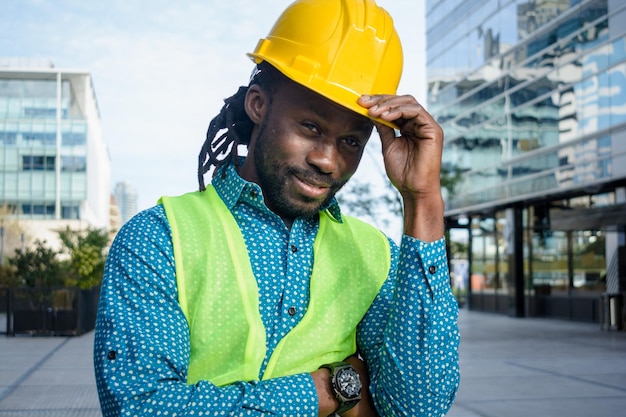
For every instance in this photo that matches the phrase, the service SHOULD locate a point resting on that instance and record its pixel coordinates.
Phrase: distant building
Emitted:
(531, 95)
(54, 164)
(126, 199)
(115, 218)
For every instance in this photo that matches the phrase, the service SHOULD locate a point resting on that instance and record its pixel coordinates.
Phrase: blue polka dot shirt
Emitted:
(408, 338)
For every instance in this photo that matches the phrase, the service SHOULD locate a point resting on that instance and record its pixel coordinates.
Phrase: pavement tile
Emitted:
(539, 368)
(545, 407)
(509, 368)
(44, 397)
(87, 412)
(535, 387)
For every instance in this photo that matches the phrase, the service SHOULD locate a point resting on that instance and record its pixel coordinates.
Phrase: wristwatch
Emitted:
(346, 383)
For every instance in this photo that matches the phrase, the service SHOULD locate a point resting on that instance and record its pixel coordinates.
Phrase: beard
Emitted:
(273, 174)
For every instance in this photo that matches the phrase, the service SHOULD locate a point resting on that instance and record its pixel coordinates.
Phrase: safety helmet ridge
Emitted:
(341, 49)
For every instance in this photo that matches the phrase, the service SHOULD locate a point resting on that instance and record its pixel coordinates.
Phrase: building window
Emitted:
(8, 138)
(38, 163)
(70, 212)
(45, 138)
(40, 112)
(73, 163)
(74, 138)
(46, 210)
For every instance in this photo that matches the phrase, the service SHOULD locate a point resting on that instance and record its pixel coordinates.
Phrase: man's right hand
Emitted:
(327, 403)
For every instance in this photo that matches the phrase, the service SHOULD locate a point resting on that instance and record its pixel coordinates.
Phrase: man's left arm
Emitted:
(409, 337)
(415, 369)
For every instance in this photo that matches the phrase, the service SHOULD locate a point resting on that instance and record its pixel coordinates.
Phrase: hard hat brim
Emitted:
(333, 92)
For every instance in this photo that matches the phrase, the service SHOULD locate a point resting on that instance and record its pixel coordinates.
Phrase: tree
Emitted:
(12, 239)
(86, 250)
(450, 179)
(12, 235)
(8, 277)
(358, 198)
(37, 267)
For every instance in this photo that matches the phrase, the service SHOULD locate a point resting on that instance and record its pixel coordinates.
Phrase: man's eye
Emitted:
(352, 141)
(310, 126)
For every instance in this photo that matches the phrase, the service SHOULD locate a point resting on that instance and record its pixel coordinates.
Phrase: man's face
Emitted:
(306, 149)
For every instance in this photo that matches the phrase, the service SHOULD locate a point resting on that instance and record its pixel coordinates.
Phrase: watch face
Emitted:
(348, 382)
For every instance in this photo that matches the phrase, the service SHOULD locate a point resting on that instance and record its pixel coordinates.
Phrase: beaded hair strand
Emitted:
(234, 125)
(218, 148)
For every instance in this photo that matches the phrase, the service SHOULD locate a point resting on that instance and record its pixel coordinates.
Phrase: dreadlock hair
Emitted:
(232, 126)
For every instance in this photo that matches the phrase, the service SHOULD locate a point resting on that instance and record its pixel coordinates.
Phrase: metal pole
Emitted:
(57, 160)
(2, 243)
(10, 331)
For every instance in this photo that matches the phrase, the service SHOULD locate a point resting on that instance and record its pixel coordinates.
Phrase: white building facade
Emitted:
(54, 164)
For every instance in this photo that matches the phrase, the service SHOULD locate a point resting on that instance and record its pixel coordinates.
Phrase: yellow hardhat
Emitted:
(340, 49)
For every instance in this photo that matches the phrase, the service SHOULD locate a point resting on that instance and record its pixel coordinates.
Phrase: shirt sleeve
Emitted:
(141, 347)
(409, 337)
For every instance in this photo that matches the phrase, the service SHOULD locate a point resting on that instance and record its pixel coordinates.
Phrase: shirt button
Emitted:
(432, 269)
(294, 248)
(292, 311)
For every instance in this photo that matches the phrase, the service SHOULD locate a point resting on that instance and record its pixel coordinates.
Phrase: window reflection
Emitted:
(589, 260)
(566, 261)
(562, 83)
(560, 261)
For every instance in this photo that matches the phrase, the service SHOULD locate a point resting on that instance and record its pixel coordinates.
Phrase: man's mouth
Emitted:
(311, 188)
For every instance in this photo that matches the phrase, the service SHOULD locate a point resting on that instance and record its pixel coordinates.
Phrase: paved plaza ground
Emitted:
(510, 368)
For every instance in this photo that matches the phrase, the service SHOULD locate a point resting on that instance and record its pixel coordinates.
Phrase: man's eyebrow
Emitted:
(320, 112)
(324, 112)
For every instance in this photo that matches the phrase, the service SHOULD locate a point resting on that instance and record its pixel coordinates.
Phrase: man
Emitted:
(256, 296)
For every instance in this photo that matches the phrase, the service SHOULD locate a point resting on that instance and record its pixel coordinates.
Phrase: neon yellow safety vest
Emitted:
(219, 295)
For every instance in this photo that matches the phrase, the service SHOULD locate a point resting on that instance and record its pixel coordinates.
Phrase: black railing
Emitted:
(48, 311)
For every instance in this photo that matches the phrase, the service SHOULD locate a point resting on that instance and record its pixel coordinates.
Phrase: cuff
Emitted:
(293, 395)
(424, 262)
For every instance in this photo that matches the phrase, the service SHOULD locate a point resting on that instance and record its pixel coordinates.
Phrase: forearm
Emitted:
(157, 394)
(423, 216)
(414, 369)
(327, 403)
(147, 374)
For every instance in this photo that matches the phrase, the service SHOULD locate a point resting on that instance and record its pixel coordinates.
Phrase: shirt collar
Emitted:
(233, 190)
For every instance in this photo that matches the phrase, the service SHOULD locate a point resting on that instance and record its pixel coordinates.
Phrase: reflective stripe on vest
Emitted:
(218, 292)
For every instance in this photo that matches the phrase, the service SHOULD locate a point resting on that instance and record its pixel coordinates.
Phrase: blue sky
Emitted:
(161, 70)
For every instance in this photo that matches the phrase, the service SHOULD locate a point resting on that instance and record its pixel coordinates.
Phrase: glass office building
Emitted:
(531, 95)
(54, 165)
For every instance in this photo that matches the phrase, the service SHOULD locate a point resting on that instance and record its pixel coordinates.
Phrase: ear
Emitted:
(255, 103)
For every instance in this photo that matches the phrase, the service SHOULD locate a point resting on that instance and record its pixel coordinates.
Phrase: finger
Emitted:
(415, 121)
(397, 109)
(380, 104)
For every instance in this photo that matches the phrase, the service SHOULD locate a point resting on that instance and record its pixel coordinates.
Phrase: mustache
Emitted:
(315, 177)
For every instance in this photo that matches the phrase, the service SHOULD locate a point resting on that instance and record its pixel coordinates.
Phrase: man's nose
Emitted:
(324, 156)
